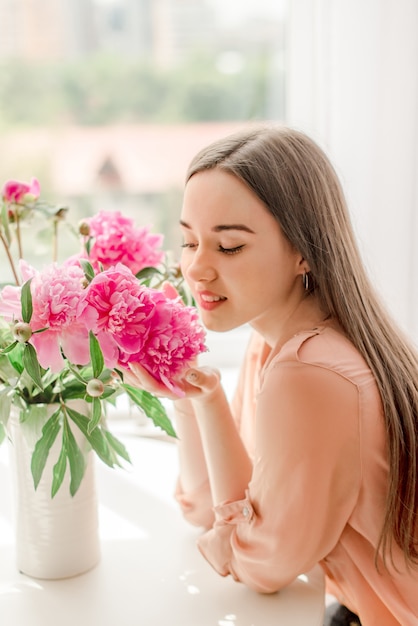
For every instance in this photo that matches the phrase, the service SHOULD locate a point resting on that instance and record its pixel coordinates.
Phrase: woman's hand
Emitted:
(197, 383)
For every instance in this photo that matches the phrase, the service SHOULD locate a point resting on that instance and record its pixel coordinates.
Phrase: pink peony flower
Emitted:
(20, 193)
(117, 240)
(115, 307)
(174, 339)
(56, 293)
(134, 323)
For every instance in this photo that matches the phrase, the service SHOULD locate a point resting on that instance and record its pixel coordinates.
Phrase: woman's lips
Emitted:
(209, 301)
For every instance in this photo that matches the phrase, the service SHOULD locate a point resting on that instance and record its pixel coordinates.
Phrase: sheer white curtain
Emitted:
(353, 86)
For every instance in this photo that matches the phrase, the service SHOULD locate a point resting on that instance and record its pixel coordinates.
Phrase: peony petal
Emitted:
(109, 349)
(117, 240)
(48, 350)
(26, 270)
(10, 305)
(169, 291)
(75, 345)
(14, 190)
(35, 188)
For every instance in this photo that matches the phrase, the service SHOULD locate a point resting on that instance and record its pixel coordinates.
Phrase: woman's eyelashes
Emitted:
(189, 245)
(233, 250)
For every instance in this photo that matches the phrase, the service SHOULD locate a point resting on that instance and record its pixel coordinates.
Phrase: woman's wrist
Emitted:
(183, 407)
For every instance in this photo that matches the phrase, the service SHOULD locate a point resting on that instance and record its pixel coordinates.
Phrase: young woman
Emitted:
(316, 459)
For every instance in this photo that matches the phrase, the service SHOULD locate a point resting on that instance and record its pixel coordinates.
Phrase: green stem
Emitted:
(55, 241)
(18, 236)
(9, 256)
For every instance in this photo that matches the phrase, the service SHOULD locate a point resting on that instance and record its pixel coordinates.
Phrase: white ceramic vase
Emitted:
(55, 537)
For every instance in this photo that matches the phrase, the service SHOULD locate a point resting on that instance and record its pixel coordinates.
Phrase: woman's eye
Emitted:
(189, 245)
(234, 250)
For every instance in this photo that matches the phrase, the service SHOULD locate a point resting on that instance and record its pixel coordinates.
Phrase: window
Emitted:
(106, 101)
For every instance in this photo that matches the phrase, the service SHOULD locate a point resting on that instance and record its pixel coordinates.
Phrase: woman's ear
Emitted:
(303, 266)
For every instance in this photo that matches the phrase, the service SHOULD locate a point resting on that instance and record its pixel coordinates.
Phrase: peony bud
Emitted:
(21, 193)
(169, 291)
(95, 388)
(22, 332)
(84, 228)
(61, 213)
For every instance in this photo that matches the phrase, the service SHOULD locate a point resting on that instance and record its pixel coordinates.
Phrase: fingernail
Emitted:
(191, 376)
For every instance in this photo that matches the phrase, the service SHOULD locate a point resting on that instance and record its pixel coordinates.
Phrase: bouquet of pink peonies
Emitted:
(70, 330)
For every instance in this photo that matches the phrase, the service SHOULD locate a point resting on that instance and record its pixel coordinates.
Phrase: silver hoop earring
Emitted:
(305, 280)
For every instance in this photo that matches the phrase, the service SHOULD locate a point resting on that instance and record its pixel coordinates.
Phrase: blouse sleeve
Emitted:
(304, 484)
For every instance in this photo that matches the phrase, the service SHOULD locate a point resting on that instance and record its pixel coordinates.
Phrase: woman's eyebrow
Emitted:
(221, 227)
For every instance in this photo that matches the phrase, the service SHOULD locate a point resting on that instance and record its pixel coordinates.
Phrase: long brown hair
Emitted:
(298, 185)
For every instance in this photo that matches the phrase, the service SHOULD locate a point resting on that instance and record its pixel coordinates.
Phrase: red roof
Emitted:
(142, 158)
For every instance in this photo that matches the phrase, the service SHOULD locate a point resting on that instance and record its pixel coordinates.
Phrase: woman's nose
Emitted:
(199, 267)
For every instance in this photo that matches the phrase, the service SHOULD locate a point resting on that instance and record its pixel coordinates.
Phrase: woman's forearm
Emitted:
(228, 464)
(209, 443)
(192, 463)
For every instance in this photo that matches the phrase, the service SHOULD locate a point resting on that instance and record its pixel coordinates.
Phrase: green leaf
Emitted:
(88, 245)
(40, 330)
(119, 373)
(147, 273)
(107, 376)
(31, 365)
(96, 438)
(26, 301)
(77, 374)
(58, 471)
(75, 458)
(49, 378)
(117, 446)
(50, 431)
(5, 223)
(152, 407)
(97, 415)
(16, 356)
(50, 210)
(9, 348)
(2, 433)
(73, 390)
(87, 269)
(108, 393)
(186, 296)
(96, 356)
(5, 406)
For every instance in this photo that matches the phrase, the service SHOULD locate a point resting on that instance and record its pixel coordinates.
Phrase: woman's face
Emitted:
(236, 261)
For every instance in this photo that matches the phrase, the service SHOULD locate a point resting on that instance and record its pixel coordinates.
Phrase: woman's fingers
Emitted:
(137, 376)
(199, 381)
(204, 378)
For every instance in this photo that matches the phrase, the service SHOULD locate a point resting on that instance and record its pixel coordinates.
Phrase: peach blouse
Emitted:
(311, 417)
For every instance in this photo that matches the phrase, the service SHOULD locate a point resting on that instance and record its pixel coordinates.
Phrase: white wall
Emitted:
(353, 86)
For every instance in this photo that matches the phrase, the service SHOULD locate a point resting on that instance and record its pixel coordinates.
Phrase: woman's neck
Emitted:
(306, 315)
